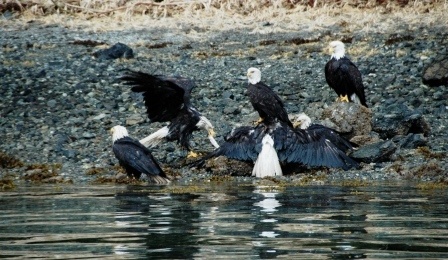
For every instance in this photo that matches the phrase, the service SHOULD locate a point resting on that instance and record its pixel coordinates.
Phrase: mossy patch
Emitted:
(96, 171)
(221, 178)
(184, 189)
(355, 183)
(42, 173)
(7, 184)
(431, 186)
(431, 168)
(428, 154)
(9, 162)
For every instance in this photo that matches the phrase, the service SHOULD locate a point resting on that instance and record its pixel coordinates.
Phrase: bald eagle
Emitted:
(343, 76)
(168, 99)
(303, 121)
(264, 100)
(134, 157)
(270, 145)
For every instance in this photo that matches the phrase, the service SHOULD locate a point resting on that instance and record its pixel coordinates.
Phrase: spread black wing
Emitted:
(309, 148)
(333, 136)
(165, 97)
(136, 158)
(242, 143)
(292, 145)
(267, 103)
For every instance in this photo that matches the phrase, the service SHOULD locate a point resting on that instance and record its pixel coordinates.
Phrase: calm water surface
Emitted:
(231, 221)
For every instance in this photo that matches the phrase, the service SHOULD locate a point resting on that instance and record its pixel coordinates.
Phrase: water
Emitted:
(229, 220)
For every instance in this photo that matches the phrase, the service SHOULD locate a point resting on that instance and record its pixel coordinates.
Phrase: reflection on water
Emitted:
(236, 221)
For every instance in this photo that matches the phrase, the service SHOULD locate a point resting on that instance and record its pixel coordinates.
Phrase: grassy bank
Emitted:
(254, 15)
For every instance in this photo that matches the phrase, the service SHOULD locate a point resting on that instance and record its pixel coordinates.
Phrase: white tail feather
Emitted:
(267, 163)
(155, 138)
(355, 98)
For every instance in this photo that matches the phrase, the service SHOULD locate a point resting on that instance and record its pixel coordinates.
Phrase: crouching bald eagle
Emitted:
(134, 157)
(343, 76)
(168, 99)
(270, 145)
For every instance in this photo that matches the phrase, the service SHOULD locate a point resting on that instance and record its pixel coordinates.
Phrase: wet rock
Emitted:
(436, 74)
(349, 119)
(224, 166)
(365, 139)
(400, 120)
(411, 141)
(377, 152)
(119, 50)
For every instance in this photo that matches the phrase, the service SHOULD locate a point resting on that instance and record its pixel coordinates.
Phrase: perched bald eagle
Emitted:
(270, 145)
(303, 121)
(167, 99)
(343, 76)
(264, 100)
(134, 157)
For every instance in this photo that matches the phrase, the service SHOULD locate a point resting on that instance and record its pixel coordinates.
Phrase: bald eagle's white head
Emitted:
(253, 75)
(337, 49)
(301, 120)
(118, 132)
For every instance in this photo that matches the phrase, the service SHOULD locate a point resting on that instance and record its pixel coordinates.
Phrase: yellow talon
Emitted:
(344, 98)
(258, 121)
(192, 154)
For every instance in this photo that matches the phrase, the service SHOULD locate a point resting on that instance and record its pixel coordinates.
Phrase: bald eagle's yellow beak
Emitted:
(297, 124)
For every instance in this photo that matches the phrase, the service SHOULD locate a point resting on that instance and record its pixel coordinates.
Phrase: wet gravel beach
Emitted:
(59, 100)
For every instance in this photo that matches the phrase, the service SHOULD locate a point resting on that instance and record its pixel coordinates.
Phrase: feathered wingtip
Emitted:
(156, 179)
(138, 80)
(267, 163)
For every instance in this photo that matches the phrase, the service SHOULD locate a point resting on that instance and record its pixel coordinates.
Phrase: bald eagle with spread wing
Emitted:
(167, 99)
(269, 145)
(303, 121)
(274, 140)
(343, 76)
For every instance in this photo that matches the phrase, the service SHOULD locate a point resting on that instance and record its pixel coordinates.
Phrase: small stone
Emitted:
(51, 103)
(376, 152)
(88, 135)
(436, 74)
(134, 119)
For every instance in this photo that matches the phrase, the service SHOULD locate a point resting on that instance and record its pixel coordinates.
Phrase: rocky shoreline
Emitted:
(59, 100)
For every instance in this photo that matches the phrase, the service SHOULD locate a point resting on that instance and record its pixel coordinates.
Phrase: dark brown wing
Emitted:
(164, 96)
(136, 158)
(309, 148)
(344, 77)
(267, 103)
